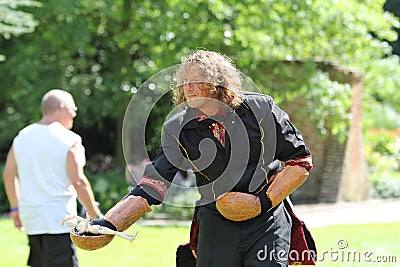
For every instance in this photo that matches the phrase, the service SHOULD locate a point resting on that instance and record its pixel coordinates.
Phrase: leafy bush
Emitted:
(386, 186)
(180, 200)
(381, 116)
(109, 187)
(181, 206)
(384, 141)
(108, 182)
(381, 150)
(382, 154)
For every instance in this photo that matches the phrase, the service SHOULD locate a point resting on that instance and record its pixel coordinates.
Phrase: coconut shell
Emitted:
(285, 183)
(90, 242)
(122, 216)
(237, 206)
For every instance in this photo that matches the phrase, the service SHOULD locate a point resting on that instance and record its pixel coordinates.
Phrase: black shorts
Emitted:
(50, 250)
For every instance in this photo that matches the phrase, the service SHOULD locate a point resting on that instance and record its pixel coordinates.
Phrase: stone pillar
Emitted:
(354, 184)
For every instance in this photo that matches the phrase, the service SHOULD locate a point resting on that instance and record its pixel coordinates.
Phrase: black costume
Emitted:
(256, 134)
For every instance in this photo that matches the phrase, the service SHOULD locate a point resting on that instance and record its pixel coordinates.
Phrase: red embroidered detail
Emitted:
(217, 128)
(305, 162)
(157, 185)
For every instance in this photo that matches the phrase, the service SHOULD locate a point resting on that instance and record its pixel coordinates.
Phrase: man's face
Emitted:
(68, 113)
(195, 94)
(195, 89)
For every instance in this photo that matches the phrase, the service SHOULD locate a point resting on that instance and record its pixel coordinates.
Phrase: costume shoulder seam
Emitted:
(176, 118)
(257, 95)
(254, 96)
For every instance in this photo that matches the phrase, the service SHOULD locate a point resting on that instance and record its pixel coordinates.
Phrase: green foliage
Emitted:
(386, 186)
(394, 7)
(382, 148)
(182, 206)
(384, 142)
(102, 50)
(304, 29)
(13, 21)
(381, 116)
(4, 205)
(180, 200)
(331, 102)
(383, 156)
(327, 102)
(109, 187)
(382, 80)
(107, 181)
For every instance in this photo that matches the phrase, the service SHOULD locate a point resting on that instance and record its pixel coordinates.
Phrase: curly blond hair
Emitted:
(216, 72)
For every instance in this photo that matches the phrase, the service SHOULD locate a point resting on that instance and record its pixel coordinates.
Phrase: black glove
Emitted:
(102, 222)
(264, 200)
(139, 191)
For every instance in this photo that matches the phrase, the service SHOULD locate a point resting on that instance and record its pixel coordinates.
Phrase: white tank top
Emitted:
(46, 192)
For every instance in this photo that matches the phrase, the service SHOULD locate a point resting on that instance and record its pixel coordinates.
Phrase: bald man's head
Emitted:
(54, 99)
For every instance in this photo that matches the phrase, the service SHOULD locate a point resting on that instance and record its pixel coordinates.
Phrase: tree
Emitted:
(14, 22)
(394, 7)
(103, 50)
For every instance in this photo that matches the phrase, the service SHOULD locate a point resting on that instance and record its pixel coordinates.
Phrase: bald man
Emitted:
(43, 176)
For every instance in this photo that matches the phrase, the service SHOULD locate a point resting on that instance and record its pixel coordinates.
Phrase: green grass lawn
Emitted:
(155, 246)
(372, 242)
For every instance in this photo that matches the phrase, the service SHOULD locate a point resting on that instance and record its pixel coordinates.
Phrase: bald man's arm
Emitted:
(11, 185)
(80, 181)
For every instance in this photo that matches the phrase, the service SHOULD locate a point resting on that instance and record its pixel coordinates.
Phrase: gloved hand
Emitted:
(102, 222)
(141, 192)
(265, 201)
(120, 217)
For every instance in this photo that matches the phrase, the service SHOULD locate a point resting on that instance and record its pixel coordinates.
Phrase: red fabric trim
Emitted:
(194, 232)
(305, 162)
(303, 250)
(157, 185)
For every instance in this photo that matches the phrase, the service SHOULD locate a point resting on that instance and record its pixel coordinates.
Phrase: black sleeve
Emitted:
(289, 141)
(168, 160)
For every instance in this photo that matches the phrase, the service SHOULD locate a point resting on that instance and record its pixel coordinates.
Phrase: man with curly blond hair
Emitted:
(247, 158)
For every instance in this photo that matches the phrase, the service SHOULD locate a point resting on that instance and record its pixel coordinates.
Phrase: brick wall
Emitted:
(340, 169)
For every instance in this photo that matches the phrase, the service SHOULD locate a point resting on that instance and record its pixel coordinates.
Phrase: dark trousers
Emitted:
(52, 250)
(260, 242)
